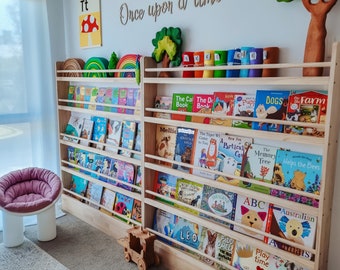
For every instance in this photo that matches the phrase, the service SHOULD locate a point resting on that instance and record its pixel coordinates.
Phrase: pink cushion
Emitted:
(29, 189)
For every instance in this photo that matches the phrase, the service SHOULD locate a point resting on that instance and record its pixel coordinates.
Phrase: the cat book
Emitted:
(163, 103)
(307, 106)
(100, 99)
(300, 171)
(137, 211)
(202, 103)
(244, 107)
(79, 185)
(99, 131)
(187, 232)
(94, 194)
(86, 132)
(219, 202)
(164, 223)
(165, 184)
(126, 173)
(166, 143)
(258, 164)
(270, 105)
(123, 205)
(184, 145)
(74, 127)
(93, 98)
(251, 213)
(295, 226)
(205, 153)
(114, 133)
(183, 103)
(108, 99)
(122, 96)
(128, 137)
(108, 200)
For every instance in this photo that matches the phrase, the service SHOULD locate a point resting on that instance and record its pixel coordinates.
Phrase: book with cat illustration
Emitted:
(182, 102)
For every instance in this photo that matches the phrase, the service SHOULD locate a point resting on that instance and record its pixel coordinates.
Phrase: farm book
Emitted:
(79, 185)
(258, 164)
(99, 131)
(166, 143)
(300, 171)
(184, 145)
(244, 107)
(182, 103)
(74, 126)
(86, 132)
(163, 103)
(294, 226)
(270, 105)
(219, 202)
(187, 232)
(251, 213)
(123, 205)
(165, 184)
(114, 133)
(202, 103)
(128, 137)
(307, 106)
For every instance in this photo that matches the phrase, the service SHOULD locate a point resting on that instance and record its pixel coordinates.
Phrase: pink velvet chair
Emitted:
(29, 191)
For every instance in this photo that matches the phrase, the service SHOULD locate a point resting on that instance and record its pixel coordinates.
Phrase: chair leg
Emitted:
(47, 227)
(13, 227)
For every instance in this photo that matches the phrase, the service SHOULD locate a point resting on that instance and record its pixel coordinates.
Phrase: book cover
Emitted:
(258, 164)
(202, 103)
(165, 184)
(108, 199)
(137, 211)
(81, 157)
(86, 132)
(294, 226)
(128, 137)
(138, 177)
(270, 105)
(80, 96)
(93, 98)
(126, 173)
(183, 150)
(138, 141)
(105, 168)
(166, 143)
(79, 185)
(71, 155)
(307, 106)
(208, 245)
(182, 103)
(137, 101)
(90, 158)
(130, 100)
(243, 106)
(97, 165)
(88, 92)
(219, 202)
(123, 205)
(251, 213)
(71, 95)
(187, 232)
(99, 131)
(163, 103)
(73, 128)
(205, 153)
(115, 95)
(108, 99)
(300, 171)
(122, 95)
(100, 98)
(225, 250)
(94, 193)
(114, 133)
(278, 263)
(164, 223)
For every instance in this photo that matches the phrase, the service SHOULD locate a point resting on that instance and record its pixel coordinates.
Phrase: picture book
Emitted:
(166, 143)
(220, 202)
(163, 103)
(164, 223)
(182, 103)
(189, 192)
(251, 213)
(81, 156)
(187, 232)
(113, 172)
(184, 144)
(138, 177)
(71, 155)
(74, 126)
(99, 131)
(97, 165)
(128, 137)
(86, 132)
(307, 106)
(123, 205)
(138, 141)
(94, 193)
(300, 171)
(87, 98)
(229, 157)
(248, 257)
(90, 158)
(71, 95)
(223, 105)
(208, 245)
(244, 107)
(137, 211)
(108, 99)
(79, 185)
(258, 164)
(100, 98)
(122, 95)
(278, 263)
(225, 250)
(108, 199)
(294, 226)
(270, 105)
(115, 95)
(130, 100)
(125, 173)
(114, 133)
(80, 96)
(205, 153)
(165, 184)
(105, 168)
(137, 101)
(202, 103)
(93, 98)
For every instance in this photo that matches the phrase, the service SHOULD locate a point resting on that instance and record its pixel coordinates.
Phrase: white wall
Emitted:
(223, 25)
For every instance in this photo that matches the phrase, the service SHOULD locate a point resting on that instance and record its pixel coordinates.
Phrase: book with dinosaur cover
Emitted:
(202, 103)
(181, 102)
(166, 143)
(184, 145)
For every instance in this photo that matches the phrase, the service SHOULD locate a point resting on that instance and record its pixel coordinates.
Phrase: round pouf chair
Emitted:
(25, 192)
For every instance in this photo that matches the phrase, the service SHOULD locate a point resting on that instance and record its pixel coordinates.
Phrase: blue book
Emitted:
(79, 185)
(184, 145)
(99, 131)
(187, 232)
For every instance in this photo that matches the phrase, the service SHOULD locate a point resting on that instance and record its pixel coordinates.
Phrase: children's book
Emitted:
(164, 223)
(71, 95)
(184, 145)
(105, 169)
(99, 131)
(166, 143)
(202, 103)
(258, 164)
(300, 171)
(128, 137)
(130, 100)
(88, 92)
(243, 106)
(122, 95)
(115, 95)
(123, 205)
(294, 226)
(137, 101)
(108, 99)
(251, 213)
(86, 132)
(71, 155)
(100, 98)
(79, 185)
(108, 200)
(165, 184)
(278, 263)
(80, 96)
(307, 106)
(137, 211)
(163, 103)
(208, 246)
(90, 158)
(93, 98)
(219, 202)
(94, 194)
(187, 232)
(114, 133)
(225, 250)
(97, 165)
(270, 105)
(126, 173)
(182, 103)
(74, 126)
(138, 141)
(138, 177)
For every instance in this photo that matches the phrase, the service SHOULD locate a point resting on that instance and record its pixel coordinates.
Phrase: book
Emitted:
(243, 106)
(164, 223)
(163, 103)
(126, 173)
(130, 100)
(225, 250)
(71, 155)
(258, 164)
(307, 106)
(122, 95)
(108, 200)
(114, 133)
(86, 132)
(97, 165)
(99, 131)
(208, 245)
(251, 213)
(137, 211)
(138, 141)
(123, 205)
(187, 232)
(270, 105)
(276, 262)
(90, 158)
(93, 98)
(202, 103)
(105, 168)
(165, 184)
(108, 99)
(300, 171)
(80, 96)
(183, 150)
(138, 177)
(115, 94)
(128, 137)
(79, 185)
(94, 193)
(294, 226)
(100, 98)
(183, 103)
(71, 95)
(73, 128)
(165, 143)
(87, 98)
(137, 102)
